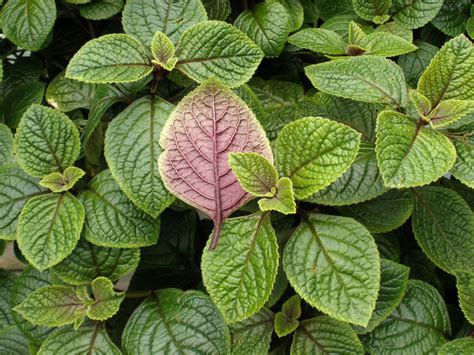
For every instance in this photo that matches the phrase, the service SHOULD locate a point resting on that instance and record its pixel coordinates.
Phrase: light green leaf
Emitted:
(217, 9)
(283, 201)
(101, 9)
(106, 300)
(409, 154)
(470, 26)
(461, 346)
(296, 12)
(343, 285)
(414, 63)
(443, 225)
(132, 150)
(217, 49)
(268, 25)
(364, 78)
(451, 18)
(356, 34)
(420, 103)
(465, 286)
(13, 341)
(373, 213)
(319, 40)
(419, 325)
(19, 99)
(385, 44)
(286, 321)
(49, 228)
(368, 9)
(450, 74)
(143, 18)
(163, 51)
(172, 320)
(253, 335)
(395, 29)
(254, 172)
(239, 274)
(415, 13)
(57, 182)
(313, 152)
(46, 141)
(6, 144)
(324, 335)
(450, 111)
(112, 220)
(88, 262)
(27, 23)
(67, 95)
(462, 168)
(113, 58)
(89, 339)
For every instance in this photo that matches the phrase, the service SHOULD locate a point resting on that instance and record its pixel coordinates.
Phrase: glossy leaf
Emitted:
(163, 51)
(415, 13)
(106, 300)
(319, 40)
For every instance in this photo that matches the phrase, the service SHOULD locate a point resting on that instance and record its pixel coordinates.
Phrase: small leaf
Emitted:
(46, 141)
(313, 152)
(57, 182)
(247, 253)
(106, 300)
(113, 58)
(319, 40)
(320, 273)
(253, 335)
(458, 346)
(421, 103)
(465, 286)
(286, 321)
(283, 201)
(385, 44)
(450, 111)
(49, 228)
(368, 9)
(217, 49)
(462, 168)
(163, 51)
(415, 13)
(101, 9)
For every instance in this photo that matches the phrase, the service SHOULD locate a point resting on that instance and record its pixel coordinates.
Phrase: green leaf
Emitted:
(419, 325)
(19, 99)
(465, 286)
(8, 279)
(106, 300)
(296, 12)
(356, 33)
(395, 29)
(218, 49)
(414, 63)
(28, 23)
(409, 154)
(113, 58)
(49, 228)
(254, 172)
(163, 51)
(239, 275)
(319, 40)
(101, 9)
(319, 272)
(324, 335)
(462, 346)
(470, 26)
(253, 335)
(421, 104)
(46, 141)
(67, 95)
(13, 341)
(112, 220)
(313, 152)
(451, 18)
(6, 144)
(283, 201)
(143, 18)
(388, 245)
(385, 44)
(268, 25)
(88, 262)
(53, 306)
(450, 74)
(450, 111)
(172, 320)
(443, 225)
(57, 182)
(415, 13)
(368, 9)
(132, 150)
(365, 78)
(462, 168)
(373, 213)
(217, 9)
(286, 321)
(89, 339)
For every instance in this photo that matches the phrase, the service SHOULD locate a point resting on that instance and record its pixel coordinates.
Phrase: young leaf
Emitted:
(46, 141)
(217, 49)
(458, 346)
(462, 168)
(415, 13)
(450, 111)
(313, 152)
(113, 58)
(421, 104)
(253, 335)
(319, 40)
(370, 9)
(465, 286)
(268, 25)
(13, 341)
(318, 271)
(385, 44)
(254, 172)
(409, 154)
(205, 126)
(444, 227)
(364, 78)
(57, 182)
(172, 320)
(101, 9)
(239, 275)
(106, 300)
(6, 145)
(163, 51)
(49, 228)
(283, 201)
(286, 321)
(112, 220)
(27, 23)
(67, 95)
(132, 149)
(143, 18)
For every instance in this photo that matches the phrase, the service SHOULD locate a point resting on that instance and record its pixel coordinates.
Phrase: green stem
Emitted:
(138, 294)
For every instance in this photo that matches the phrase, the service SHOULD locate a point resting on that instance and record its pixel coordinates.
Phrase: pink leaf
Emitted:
(206, 125)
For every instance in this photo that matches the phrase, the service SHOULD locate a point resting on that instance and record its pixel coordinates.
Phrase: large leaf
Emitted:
(67, 95)
(443, 225)
(6, 144)
(143, 18)
(205, 126)
(112, 220)
(239, 275)
(419, 325)
(319, 40)
(462, 168)
(113, 58)
(27, 23)
(364, 78)
(414, 63)
(296, 12)
(49, 228)
(452, 17)
(132, 150)
(217, 49)
(465, 286)
(46, 141)
(13, 341)
(343, 285)
(313, 152)
(415, 13)
(172, 320)
(409, 154)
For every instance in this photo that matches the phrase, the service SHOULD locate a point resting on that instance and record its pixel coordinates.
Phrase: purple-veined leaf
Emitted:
(208, 124)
